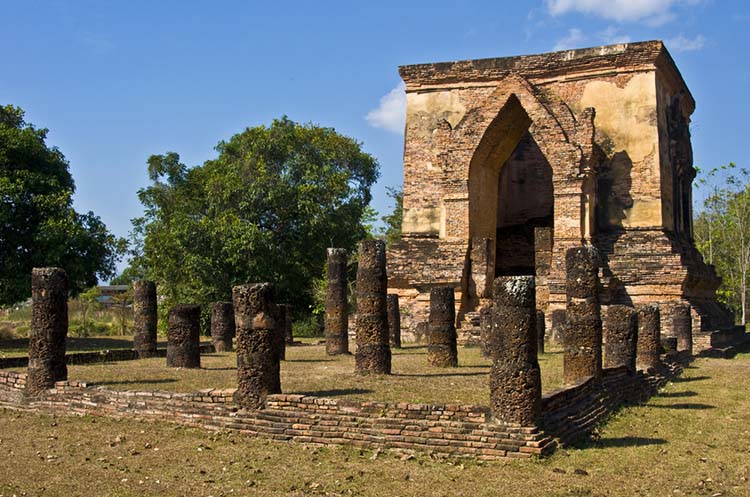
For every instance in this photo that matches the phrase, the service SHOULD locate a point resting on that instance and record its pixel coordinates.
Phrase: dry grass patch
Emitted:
(308, 370)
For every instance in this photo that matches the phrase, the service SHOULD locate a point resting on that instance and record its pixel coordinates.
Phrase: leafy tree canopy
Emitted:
(392, 222)
(265, 210)
(38, 225)
(722, 232)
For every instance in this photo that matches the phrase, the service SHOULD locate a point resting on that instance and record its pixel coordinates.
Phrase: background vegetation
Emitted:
(38, 225)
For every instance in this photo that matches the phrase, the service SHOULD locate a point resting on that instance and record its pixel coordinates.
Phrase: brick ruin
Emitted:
(508, 162)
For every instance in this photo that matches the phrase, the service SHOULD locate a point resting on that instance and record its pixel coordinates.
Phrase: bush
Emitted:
(312, 327)
(93, 328)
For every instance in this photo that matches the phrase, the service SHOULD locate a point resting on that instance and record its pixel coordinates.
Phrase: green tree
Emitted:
(392, 222)
(722, 232)
(264, 210)
(89, 301)
(38, 226)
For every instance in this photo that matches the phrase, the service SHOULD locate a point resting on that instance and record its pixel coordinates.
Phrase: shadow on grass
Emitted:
(438, 374)
(674, 395)
(74, 344)
(686, 405)
(131, 382)
(694, 378)
(309, 360)
(606, 443)
(228, 368)
(335, 392)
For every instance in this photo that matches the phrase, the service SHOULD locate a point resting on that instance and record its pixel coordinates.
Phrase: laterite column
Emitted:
(49, 329)
(442, 350)
(337, 311)
(582, 340)
(257, 358)
(222, 326)
(515, 378)
(485, 328)
(620, 337)
(280, 332)
(144, 318)
(183, 336)
(394, 321)
(683, 328)
(649, 336)
(541, 330)
(288, 322)
(373, 350)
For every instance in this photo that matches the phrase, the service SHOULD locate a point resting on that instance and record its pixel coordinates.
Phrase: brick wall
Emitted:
(456, 430)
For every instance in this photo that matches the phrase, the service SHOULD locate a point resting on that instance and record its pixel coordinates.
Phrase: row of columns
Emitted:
(510, 330)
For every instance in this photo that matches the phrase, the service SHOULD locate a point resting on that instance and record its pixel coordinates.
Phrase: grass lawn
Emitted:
(19, 347)
(309, 370)
(692, 439)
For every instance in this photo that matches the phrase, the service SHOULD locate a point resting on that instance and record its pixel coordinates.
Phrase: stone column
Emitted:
(683, 328)
(558, 320)
(49, 329)
(582, 340)
(620, 337)
(222, 326)
(279, 337)
(515, 378)
(144, 318)
(442, 350)
(337, 310)
(183, 336)
(649, 336)
(394, 321)
(541, 329)
(485, 328)
(288, 322)
(373, 351)
(257, 359)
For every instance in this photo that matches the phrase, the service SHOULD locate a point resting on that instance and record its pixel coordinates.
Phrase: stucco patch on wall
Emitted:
(431, 107)
(626, 115)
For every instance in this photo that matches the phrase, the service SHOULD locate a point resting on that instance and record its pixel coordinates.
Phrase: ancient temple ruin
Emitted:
(508, 162)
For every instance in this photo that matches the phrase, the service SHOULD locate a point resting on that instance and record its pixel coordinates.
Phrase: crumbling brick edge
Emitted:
(451, 430)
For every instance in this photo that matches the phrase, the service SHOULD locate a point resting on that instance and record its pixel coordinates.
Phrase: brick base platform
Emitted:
(455, 430)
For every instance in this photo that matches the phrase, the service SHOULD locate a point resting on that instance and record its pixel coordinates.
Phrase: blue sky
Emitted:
(117, 81)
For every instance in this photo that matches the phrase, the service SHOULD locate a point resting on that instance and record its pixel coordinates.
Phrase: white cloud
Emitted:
(682, 43)
(654, 12)
(391, 113)
(612, 36)
(573, 39)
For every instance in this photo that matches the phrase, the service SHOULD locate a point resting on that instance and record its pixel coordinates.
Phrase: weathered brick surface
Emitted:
(611, 123)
